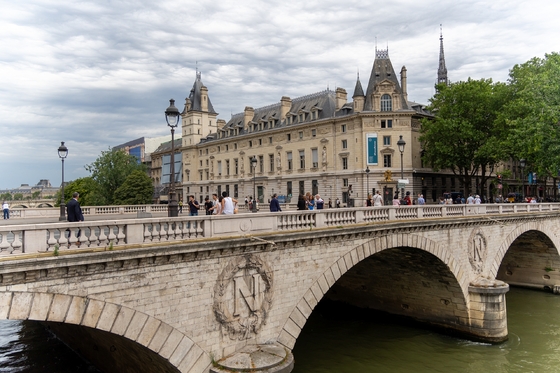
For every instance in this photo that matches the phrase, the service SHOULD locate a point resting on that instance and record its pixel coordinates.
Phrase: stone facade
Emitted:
(316, 143)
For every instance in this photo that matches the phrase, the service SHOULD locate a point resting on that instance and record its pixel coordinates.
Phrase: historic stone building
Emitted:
(319, 143)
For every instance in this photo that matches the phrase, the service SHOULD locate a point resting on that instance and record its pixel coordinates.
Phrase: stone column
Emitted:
(488, 316)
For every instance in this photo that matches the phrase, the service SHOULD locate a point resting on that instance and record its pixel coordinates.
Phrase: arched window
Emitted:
(386, 103)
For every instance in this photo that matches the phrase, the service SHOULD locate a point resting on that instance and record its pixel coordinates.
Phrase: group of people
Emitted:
(218, 205)
(311, 202)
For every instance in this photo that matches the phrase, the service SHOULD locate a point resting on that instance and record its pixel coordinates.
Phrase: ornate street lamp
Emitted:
(62, 153)
(254, 166)
(367, 184)
(401, 143)
(522, 163)
(172, 118)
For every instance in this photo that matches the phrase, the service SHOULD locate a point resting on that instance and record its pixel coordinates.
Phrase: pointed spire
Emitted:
(358, 90)
(442, 70)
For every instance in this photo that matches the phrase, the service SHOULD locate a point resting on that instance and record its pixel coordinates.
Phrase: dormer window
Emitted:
(301, 117)
(386, 103)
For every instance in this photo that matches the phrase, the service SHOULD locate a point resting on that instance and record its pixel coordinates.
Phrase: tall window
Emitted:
(289, 188)
(302, 159)
(386, 103)
(289, 157)
(386, 140)
(345, 182)
(227, 167)
(261, 163)
(344, 163)
(271, 162)
(302, 187)
(387, 160)
(343, 128)
(236, 165)
(344, 144)
(315, 157)
(219, 167)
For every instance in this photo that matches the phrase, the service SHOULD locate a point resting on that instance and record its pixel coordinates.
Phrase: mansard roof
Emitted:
(195, 96)
(382, 70)
(166, 146)
(323, 102)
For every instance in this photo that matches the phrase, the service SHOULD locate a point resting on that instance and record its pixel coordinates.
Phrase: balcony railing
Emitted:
(16, 240)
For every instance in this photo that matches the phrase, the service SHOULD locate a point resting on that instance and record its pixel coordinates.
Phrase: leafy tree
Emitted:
(534, 114)
(18, 197)
(6, 196)
(35, 195)
(137, 189)
(109, 171)
(465, 136)
(86, 186)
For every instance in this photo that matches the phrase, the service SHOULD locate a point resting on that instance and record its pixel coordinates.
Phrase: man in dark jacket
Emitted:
(74, 209)
(274, 204)
(75, 213)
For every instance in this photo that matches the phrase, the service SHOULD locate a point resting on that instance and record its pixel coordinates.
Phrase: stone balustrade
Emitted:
(53, 212)
(35, 238)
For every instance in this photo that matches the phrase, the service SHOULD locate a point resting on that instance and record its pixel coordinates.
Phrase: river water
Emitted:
(345, 340)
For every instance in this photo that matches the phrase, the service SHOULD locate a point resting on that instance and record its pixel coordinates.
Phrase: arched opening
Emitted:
(532, 261)
(404, 281)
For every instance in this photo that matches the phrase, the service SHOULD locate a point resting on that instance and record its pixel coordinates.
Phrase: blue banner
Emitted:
(372, 149)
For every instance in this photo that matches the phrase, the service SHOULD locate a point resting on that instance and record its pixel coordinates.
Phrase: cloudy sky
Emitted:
(96, 74)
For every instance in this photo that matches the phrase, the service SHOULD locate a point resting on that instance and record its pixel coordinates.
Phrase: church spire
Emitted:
(442, 70)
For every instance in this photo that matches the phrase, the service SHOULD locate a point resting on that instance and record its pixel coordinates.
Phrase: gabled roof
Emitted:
(382, 70)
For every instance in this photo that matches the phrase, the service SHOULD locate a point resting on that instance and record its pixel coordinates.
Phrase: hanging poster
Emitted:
(371, 151)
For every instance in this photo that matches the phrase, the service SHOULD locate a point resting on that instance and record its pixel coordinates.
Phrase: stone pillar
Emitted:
(488, 316)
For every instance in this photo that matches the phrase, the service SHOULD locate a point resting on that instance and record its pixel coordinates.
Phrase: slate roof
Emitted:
(382, 70)
(195, 96)
(324, 101)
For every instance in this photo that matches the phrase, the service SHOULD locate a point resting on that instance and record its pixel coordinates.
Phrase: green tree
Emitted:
(6, 196)
(137, 189)
(86, 186)
(466, 136)
(534, 114)
(18, 197)
(109, 171)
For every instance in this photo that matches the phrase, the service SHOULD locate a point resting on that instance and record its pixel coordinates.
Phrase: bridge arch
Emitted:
(396, 241)
(514, 235)
(172, 345)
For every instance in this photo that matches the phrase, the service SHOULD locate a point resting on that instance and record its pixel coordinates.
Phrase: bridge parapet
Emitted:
(32, 238)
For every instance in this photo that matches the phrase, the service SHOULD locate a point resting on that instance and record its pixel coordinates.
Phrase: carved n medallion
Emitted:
(478, 249)
(243, 296)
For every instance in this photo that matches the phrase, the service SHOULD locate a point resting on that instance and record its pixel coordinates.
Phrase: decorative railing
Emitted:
(107, 234)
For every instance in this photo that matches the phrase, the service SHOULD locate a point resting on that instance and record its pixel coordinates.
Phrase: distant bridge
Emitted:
(200, 294)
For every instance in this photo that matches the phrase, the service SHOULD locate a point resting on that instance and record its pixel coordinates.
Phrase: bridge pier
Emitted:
(267, 358)
(488, 316)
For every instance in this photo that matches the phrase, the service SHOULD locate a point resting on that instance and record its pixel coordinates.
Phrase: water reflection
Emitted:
(27, 347)
(343, 340)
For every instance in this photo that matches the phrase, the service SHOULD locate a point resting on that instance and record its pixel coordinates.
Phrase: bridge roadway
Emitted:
(200, 294)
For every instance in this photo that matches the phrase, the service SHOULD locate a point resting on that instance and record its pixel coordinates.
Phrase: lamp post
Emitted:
(522, 163)
(401, 143)
(62, 153)
(254, 166)
(367, 182)
(172, 119)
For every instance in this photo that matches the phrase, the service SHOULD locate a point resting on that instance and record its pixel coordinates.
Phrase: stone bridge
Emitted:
(215, 294)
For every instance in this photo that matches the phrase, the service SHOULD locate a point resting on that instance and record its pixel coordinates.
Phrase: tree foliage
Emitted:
(86, 186)
(109, 171)
(534, 114)
(137, 189)
(466, 135)
(6, 196)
